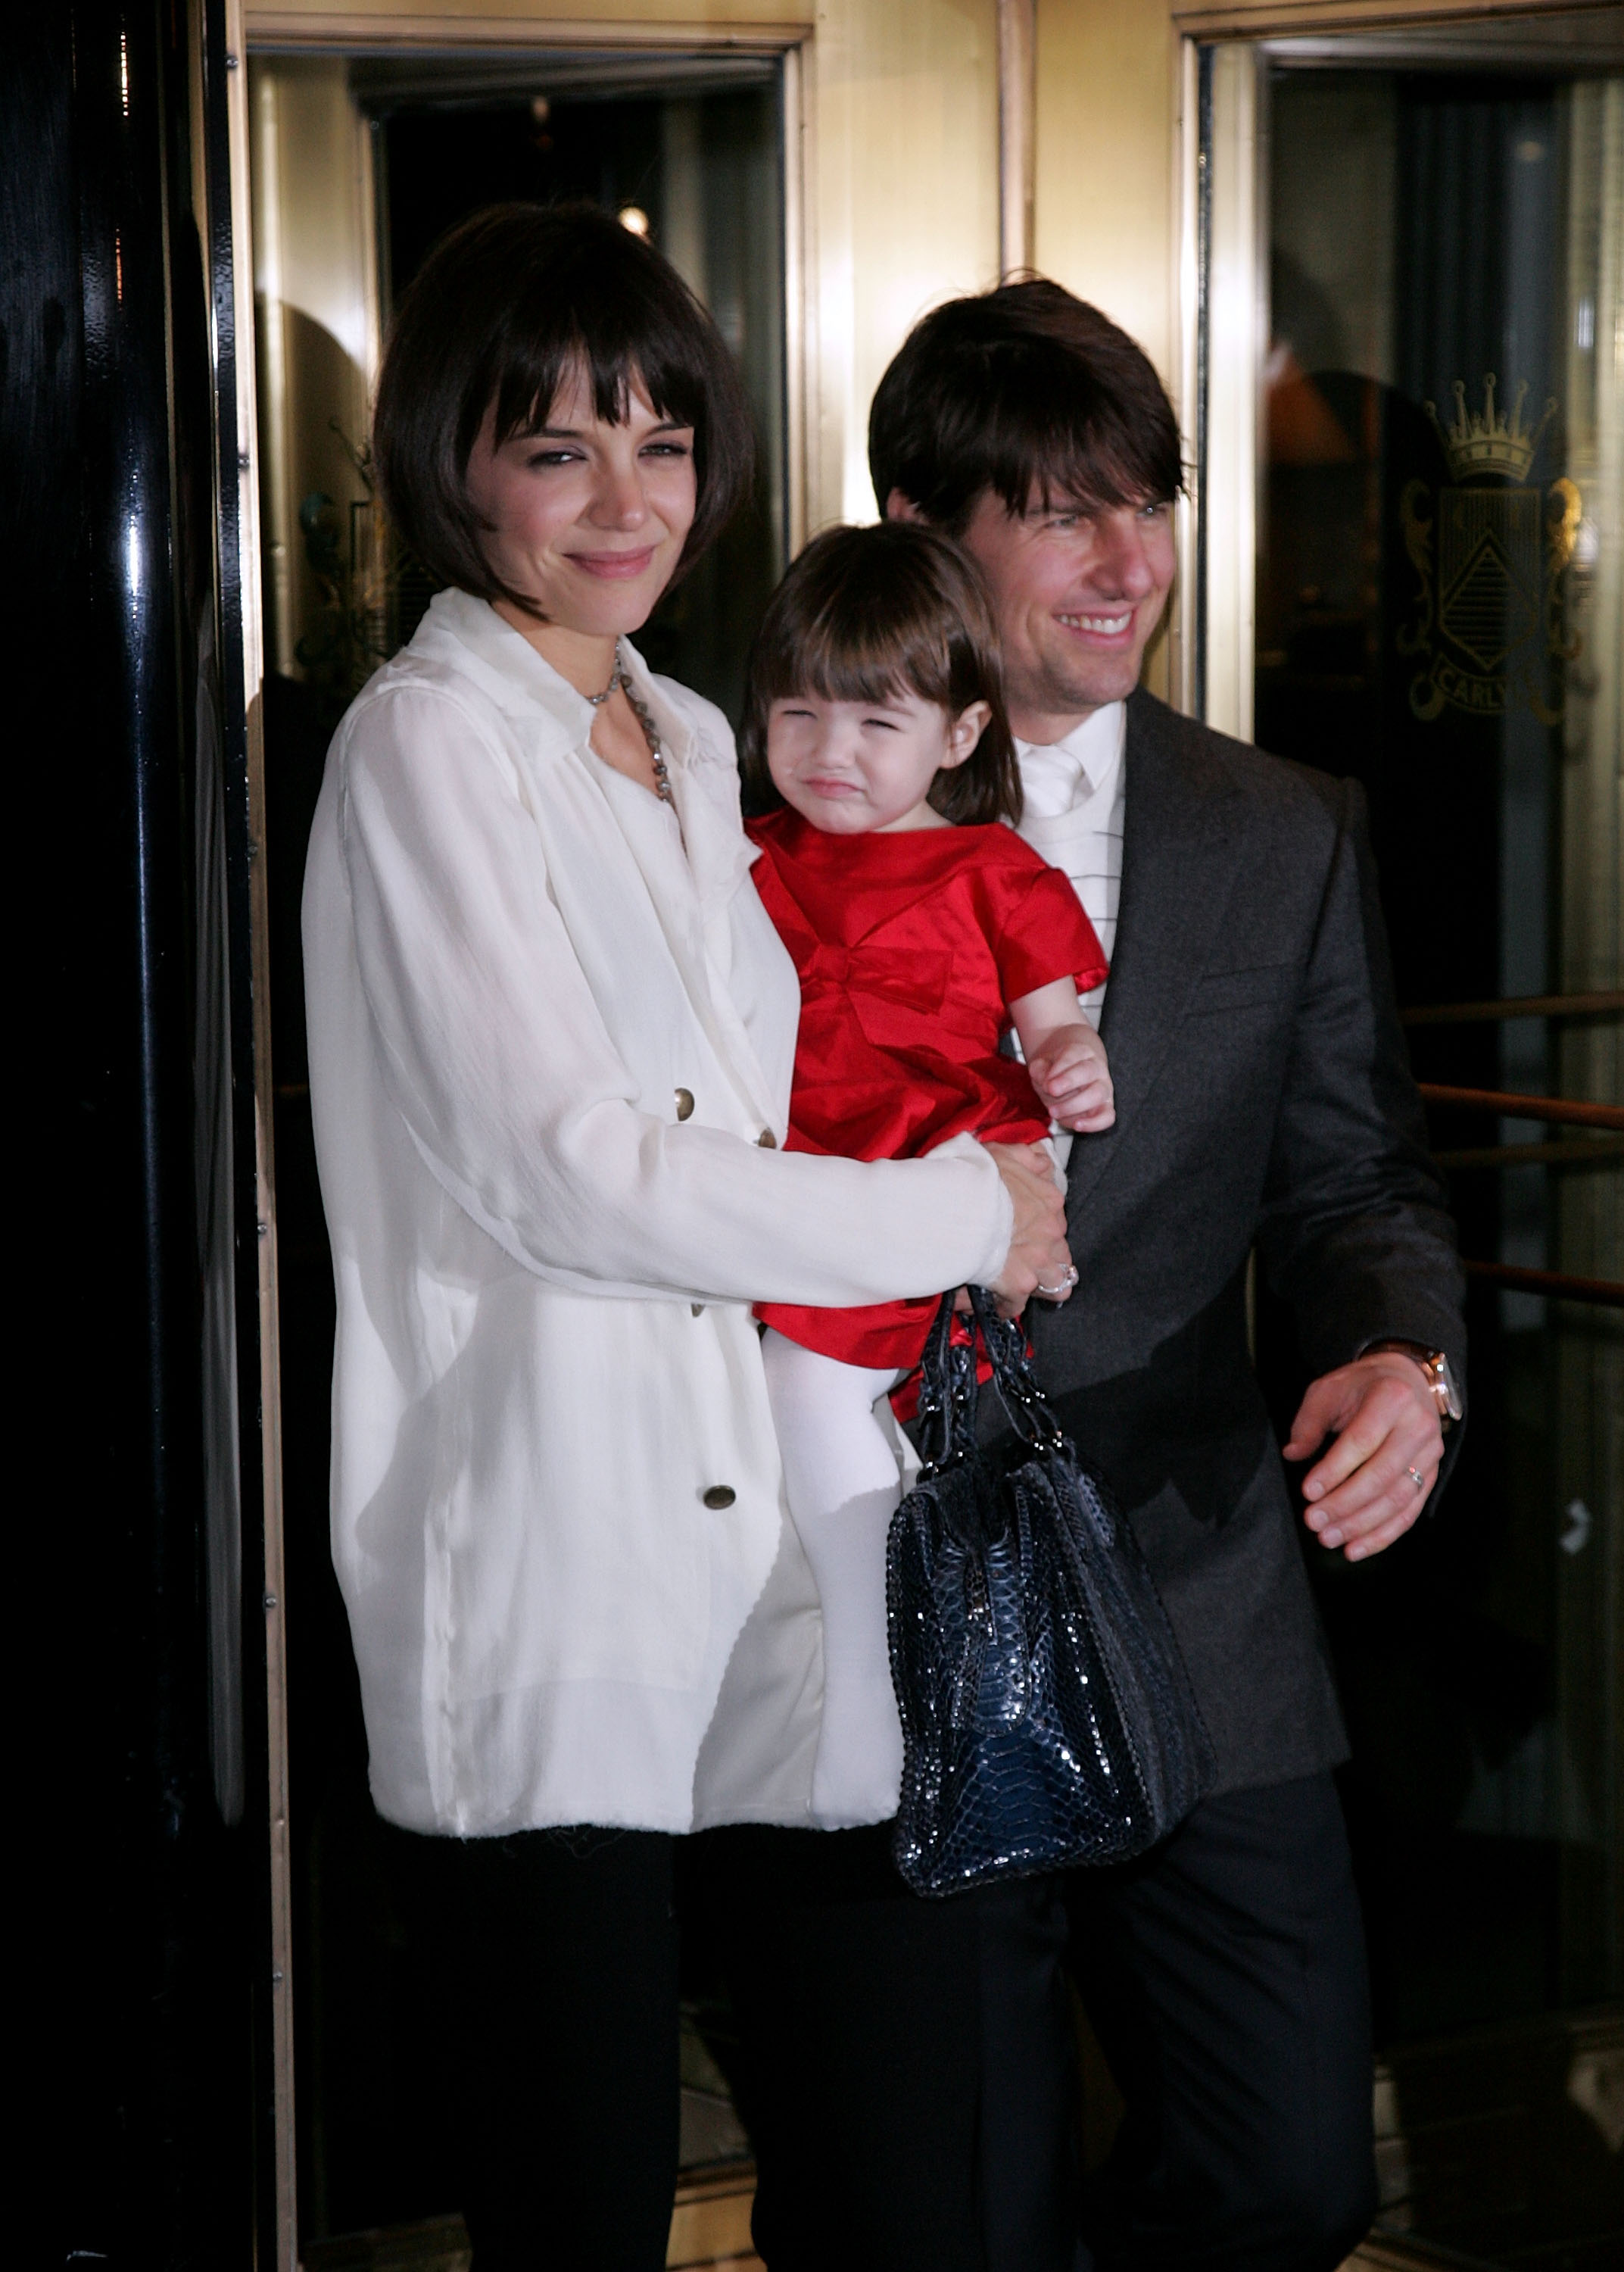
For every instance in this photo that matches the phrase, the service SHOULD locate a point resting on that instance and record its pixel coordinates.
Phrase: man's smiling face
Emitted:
(1077, 591)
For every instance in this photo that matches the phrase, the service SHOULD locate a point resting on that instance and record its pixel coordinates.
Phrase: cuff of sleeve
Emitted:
(1000, 1209)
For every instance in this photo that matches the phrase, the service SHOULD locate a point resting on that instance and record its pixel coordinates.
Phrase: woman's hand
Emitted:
(1039, 1260)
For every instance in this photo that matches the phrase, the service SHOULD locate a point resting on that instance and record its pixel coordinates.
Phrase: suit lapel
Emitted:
(1182, 836)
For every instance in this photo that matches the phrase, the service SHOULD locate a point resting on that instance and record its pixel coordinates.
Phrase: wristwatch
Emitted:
(1440, 1376)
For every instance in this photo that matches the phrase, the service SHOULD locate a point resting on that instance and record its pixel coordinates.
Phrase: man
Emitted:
(1263, 1103)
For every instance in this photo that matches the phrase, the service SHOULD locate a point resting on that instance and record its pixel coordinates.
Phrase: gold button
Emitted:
(719, 1495)
(696, 1309)
(767, 1140)
(685, 1104)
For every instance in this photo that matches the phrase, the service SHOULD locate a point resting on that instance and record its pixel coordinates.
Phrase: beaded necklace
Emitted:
(640, 712)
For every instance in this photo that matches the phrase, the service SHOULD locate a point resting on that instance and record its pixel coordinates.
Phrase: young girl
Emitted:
(922, 930)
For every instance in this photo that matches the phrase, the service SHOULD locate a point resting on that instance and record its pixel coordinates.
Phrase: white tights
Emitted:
(844, 1485)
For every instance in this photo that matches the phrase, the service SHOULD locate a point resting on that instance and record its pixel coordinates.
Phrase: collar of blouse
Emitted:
(556, 722)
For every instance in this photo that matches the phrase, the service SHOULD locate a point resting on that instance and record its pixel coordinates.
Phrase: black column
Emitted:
(139, 1755)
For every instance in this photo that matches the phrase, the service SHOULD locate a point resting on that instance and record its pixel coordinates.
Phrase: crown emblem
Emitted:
(1489, 443)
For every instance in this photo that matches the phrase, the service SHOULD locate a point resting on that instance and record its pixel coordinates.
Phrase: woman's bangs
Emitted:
(530, 390)
(614, 338)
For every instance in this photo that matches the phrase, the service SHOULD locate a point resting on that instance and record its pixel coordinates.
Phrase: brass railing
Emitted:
(1516, 1005)
(1586, 1152)
(1554, 1111)
(1512, 1106)
(1608, 1291)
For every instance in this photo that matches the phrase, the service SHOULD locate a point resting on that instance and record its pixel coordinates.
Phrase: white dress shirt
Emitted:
(552, 1031)
(1073, 815)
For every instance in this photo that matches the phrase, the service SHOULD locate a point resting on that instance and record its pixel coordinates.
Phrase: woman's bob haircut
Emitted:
(506, 309)
(866, 614)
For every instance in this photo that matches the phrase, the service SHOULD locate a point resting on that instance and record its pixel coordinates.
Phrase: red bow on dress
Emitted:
(886, 972)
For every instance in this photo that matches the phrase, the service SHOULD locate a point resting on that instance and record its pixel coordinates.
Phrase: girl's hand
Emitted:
(1065, 1057)
(1072, 1079)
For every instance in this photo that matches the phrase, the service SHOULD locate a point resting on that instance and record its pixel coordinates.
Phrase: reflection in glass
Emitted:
(1440, 613)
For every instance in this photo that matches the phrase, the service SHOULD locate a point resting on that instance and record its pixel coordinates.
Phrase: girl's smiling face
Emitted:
(863, 768)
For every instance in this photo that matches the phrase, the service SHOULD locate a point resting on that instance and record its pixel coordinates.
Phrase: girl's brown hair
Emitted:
(867, 613)
(501, 314)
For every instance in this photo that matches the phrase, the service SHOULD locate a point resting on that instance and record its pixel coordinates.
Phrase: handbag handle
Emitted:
(946, 1410)
(947, 1389)
(1022, 1400)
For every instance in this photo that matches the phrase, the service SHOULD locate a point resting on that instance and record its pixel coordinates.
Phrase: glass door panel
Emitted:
(1439, 613)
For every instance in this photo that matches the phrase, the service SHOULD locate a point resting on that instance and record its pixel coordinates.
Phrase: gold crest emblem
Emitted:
(1489, 614)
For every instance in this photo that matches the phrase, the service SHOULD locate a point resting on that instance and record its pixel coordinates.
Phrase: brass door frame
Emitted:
(278, 1858)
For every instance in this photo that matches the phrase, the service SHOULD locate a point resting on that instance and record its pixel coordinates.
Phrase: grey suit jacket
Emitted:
(1263, 1100)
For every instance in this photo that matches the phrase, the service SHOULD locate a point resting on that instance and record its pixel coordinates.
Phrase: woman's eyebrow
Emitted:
(573, 433)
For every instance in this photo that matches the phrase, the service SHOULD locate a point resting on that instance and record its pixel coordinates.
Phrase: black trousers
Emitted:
(550, 1962)
(551, 1959)
(1224, 1977)
(860, 2010)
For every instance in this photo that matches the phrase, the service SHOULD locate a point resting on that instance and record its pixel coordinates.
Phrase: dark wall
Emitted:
(141, 1861)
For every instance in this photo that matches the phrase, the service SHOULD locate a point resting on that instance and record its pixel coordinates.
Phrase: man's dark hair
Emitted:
(867, 613)
(506, 307)
(1029, 394)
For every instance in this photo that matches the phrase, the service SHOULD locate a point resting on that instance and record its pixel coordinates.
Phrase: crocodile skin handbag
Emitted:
(1047, 1719)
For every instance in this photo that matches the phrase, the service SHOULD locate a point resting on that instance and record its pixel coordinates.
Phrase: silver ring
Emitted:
(1065, 1285)
(1415, 1476)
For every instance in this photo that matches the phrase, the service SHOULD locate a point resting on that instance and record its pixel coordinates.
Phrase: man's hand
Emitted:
(1073, 1079)
(1039, 1260)
(1364, 1493)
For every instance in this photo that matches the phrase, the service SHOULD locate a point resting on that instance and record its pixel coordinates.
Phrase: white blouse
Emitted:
(551, 1035)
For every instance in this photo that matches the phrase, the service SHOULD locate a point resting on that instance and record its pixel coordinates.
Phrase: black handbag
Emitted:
(1047, 1719)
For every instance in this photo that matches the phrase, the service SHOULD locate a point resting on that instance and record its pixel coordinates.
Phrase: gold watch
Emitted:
(1440, 1375)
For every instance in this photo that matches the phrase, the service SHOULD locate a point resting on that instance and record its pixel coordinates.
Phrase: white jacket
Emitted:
(546, 1376)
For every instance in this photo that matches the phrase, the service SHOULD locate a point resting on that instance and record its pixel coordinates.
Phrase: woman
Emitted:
(551, 1034)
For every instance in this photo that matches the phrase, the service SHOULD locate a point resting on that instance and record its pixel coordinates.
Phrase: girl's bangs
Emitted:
(883, 667)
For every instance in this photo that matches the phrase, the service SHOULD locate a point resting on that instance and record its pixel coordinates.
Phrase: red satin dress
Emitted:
(909, 947)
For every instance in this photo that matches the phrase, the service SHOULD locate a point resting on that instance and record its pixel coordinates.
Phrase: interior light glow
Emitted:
(633, 218)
